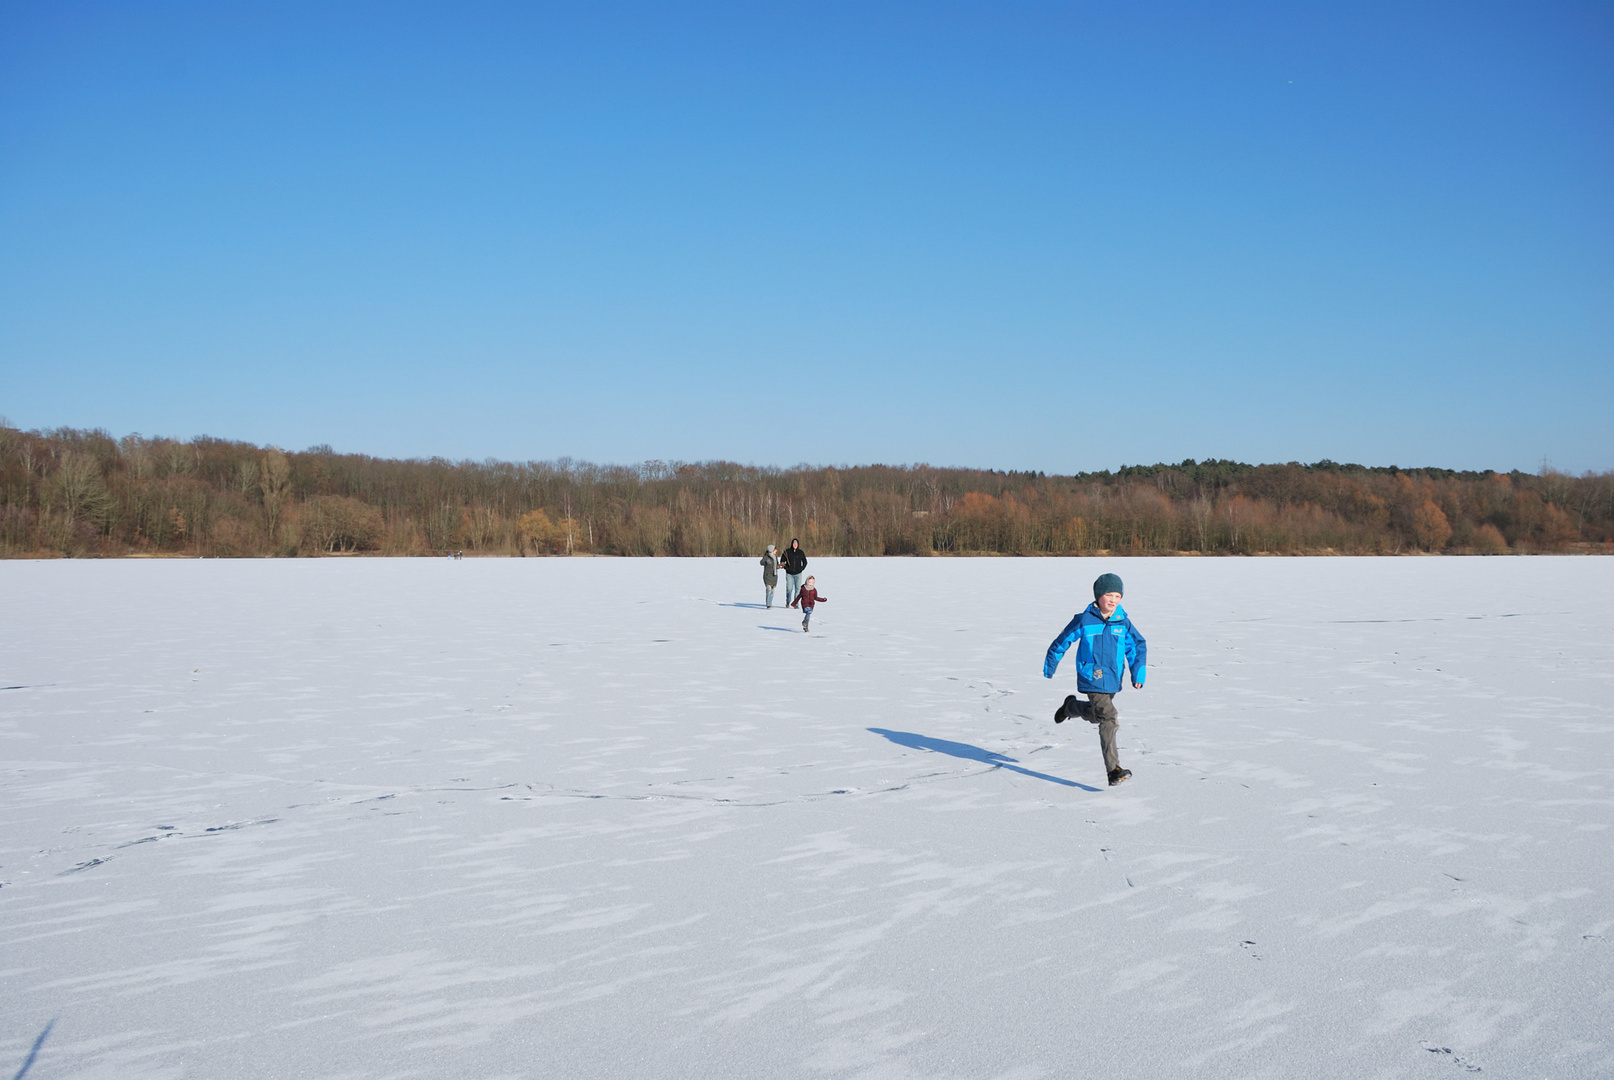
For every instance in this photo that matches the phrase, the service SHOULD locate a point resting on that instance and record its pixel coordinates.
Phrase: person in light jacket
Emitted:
(770, 574)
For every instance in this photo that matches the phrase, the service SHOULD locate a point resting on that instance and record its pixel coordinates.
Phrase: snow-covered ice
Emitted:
(580, 818)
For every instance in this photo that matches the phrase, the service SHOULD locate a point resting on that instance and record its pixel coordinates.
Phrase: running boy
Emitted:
(1105, 638)
(807, 598)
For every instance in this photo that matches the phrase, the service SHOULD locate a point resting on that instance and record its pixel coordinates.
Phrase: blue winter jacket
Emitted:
(1100, 646)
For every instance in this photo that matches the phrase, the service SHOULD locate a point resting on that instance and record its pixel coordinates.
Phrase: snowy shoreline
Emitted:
(1573, 551)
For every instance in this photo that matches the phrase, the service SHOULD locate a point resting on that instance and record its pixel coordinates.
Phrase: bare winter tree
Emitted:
(179, 458)
(80, 488)
(275, 482)
(246, 475)
(136, 456)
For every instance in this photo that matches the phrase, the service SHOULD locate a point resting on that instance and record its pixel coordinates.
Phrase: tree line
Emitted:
(70, 492)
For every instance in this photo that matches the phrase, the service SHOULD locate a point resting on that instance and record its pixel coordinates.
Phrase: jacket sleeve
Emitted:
(1137, 653)
(1056, 651)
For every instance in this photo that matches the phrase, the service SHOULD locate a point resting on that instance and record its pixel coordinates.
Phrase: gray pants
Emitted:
(768, 594)
(1100, 709)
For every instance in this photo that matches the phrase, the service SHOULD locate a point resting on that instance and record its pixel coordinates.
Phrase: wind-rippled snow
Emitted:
(369, 818)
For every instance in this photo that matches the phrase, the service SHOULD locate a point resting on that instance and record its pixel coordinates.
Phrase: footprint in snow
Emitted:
(85, 866)
(1462, 1063)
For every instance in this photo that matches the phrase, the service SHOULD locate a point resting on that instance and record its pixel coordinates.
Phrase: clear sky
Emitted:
(1057, 237)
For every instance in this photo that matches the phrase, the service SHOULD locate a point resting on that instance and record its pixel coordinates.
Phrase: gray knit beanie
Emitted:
(1107, 583)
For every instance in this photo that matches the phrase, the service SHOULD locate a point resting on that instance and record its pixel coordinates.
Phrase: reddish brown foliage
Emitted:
(84, 493)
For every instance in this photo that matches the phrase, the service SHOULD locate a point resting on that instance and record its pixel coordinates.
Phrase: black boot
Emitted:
(1119, 775)
(1068, 708)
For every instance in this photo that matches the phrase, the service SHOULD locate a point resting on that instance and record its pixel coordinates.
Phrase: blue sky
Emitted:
(1054, 237)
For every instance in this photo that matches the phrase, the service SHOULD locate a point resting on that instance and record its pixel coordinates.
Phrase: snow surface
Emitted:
(609, 818)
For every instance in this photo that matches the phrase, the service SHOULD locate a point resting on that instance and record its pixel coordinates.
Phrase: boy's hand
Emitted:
(1137, 686)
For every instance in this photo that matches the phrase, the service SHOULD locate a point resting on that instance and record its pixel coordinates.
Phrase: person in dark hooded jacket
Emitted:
(795, 568)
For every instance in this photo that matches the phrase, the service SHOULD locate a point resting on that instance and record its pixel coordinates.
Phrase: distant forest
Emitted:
(84, 493)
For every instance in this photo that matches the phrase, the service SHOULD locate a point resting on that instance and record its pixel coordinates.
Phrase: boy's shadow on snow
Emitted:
(970, 753)
(759, 607)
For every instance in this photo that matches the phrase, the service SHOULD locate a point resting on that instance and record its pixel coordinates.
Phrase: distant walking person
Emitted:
(770, 574)
(807, 597)
(1105, 639)
(795, 566)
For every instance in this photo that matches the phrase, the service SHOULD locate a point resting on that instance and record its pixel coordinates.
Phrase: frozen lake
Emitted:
(584, 818)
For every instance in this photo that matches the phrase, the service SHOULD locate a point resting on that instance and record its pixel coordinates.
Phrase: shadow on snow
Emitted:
(971, 753)
(33, 1054)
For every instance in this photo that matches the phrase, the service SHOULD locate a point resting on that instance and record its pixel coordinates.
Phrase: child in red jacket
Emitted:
(807, 598)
